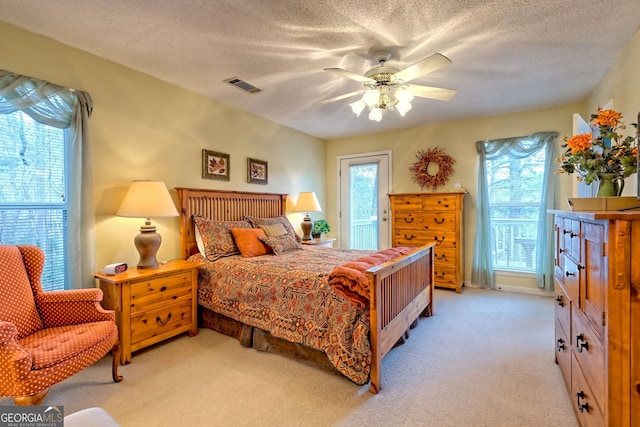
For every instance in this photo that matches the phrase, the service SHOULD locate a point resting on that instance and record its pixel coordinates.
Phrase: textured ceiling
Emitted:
(508, 55)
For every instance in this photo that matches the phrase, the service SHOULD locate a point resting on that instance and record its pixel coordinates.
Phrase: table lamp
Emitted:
(307, 202)
(146, 199)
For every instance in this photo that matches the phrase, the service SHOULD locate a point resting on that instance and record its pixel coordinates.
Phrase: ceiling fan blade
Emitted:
(338, 98)
(427, 65)
(350, 75)
(438, 93)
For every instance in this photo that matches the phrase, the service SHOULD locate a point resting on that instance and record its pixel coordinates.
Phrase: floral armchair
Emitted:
(45, 337)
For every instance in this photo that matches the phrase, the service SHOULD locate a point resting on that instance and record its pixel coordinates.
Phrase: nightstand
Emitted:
(327, 242)
(153, 304)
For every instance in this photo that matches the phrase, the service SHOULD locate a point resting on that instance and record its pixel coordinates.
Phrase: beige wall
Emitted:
(144, 128)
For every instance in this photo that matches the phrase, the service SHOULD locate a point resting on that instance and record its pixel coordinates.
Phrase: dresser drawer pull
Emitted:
(566, 231)
(442, 257)
(582, 406)
(161, 322)
(560, 250)
(560, 300)
(569, 274)
(438, 240)
(581, 343)
(162, 289)
(408, 222)
(580, 267)
(409, 237)
(560, 345)
(439, 275)
(441, 221)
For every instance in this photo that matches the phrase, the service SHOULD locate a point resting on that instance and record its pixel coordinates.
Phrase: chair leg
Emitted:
(115, 352)
(33, 400)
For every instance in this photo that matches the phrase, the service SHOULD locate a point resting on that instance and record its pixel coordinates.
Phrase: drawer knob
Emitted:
(161, 322)
(580, 267)
(439, 240)
(439, 275)
(408, 220)
(566, 231)
(441, 221)
(409, 237)
(569, 274)
(560, 250)
(560, 300)
(581, 343)
(442, 257)
(560, 345)
(162, 289)
(582, 406)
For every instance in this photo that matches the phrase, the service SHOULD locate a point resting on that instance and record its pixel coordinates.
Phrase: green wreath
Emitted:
(427, 159)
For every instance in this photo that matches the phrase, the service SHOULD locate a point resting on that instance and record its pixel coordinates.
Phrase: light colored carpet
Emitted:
(485, 358)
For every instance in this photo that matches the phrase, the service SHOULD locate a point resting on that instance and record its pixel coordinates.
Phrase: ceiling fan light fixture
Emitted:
(375, 114)
(403, 107)
(404, 94)
(358, 106)
(371, 97)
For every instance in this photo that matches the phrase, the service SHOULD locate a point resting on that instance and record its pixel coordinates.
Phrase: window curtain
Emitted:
(69, 109)
(482, 271)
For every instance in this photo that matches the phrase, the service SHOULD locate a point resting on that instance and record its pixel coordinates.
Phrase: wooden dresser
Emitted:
(420, 218)
(597, 278)
(153, 304)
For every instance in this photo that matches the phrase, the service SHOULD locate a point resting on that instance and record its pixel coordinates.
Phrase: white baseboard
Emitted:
(524, 290)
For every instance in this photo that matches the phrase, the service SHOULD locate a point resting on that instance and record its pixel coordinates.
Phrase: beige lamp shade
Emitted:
(307, 202)
(147, 199)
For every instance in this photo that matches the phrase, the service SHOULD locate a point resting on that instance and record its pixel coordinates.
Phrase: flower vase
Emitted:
(610, 185)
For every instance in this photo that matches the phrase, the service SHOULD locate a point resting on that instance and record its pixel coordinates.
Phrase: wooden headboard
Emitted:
(221, 205)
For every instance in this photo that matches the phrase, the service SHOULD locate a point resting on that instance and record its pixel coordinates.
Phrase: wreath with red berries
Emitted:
(434, 178)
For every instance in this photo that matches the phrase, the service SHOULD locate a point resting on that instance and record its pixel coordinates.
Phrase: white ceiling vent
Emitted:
(241, 84)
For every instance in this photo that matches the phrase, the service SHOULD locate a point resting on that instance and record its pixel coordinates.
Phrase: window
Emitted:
(33, 202)
(515, 196)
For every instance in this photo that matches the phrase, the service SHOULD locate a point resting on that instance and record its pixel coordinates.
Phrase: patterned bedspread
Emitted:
(289, 296)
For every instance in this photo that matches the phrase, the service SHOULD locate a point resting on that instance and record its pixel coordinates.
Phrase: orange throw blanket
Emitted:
(351, 280)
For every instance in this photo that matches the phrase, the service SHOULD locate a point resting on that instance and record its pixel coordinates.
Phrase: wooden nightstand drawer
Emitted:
(150, 327)
(159, 290)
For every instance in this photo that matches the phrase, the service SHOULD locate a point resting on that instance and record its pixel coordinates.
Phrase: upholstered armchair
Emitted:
(45, 337)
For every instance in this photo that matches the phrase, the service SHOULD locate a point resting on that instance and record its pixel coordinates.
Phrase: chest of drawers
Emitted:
(421, 218)
(597, 281)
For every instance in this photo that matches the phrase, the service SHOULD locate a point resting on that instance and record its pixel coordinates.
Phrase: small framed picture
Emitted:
(257, 171)
(215, 165)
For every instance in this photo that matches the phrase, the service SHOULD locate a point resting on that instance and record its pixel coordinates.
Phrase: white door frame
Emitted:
(384, 224)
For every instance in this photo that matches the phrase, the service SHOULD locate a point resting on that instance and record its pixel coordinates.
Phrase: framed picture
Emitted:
(215, 165)
(257, 171)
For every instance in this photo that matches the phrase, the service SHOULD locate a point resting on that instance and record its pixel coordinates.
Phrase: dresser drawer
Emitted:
(563, 310)
(589, 353)
(158, 290)
(445, 256)
(563, 353)
(157, 324)
(572, 238)
(406, 203)
(584, 404)
(427, 220)
(571, 281)
(440, 203)
(446, 275)
(412, 237)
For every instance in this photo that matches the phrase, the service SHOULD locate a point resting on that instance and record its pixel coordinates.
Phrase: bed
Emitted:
(399, 290)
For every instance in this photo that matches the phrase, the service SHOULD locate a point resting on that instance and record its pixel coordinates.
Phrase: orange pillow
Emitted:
(248, 243)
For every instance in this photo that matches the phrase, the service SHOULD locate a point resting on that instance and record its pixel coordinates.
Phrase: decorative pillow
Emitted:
(257, 222)
(216, 237)
(272, 230)
(248, 242)
(281, 244)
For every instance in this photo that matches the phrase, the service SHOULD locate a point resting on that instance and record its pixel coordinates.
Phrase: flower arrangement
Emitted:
(608, 152)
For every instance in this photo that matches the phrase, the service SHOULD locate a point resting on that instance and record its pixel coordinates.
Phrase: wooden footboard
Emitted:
(400, 290)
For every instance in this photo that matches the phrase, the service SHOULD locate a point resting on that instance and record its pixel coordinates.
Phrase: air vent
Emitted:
(241, 84)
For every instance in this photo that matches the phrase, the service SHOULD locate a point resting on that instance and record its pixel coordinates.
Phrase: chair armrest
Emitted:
(72, 307)
(14, 358)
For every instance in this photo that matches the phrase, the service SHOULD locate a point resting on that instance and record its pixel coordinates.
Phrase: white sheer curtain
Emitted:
(63, 108)
(482, 271)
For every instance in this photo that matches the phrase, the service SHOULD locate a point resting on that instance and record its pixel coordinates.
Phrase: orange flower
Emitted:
(609, 118)
(580, 143)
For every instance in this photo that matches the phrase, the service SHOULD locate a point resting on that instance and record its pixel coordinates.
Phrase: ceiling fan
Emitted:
(387, 88)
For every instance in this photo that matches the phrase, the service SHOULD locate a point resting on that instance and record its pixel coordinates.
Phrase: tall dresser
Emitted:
(421, 218)
(597, 277)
